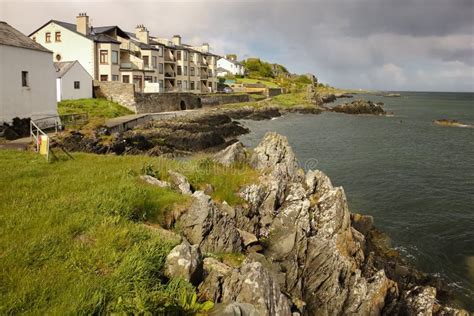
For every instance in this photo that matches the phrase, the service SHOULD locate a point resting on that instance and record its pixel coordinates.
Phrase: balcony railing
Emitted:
(170, 74)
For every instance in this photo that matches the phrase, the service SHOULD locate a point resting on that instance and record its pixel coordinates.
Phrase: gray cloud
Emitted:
(375, 44)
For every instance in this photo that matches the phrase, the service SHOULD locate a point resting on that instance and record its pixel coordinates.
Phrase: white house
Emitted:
(72, 81)
(27, 77)
(231, 66)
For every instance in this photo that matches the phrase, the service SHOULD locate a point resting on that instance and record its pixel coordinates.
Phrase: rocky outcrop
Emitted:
(316, 258)
(154, 181)
(232, 154)
(180, 183)
(451, 123)
(185, 262)
(359, 107)
(206, 225)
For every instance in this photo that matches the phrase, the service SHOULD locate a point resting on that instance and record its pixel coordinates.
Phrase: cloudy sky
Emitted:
(421, 45)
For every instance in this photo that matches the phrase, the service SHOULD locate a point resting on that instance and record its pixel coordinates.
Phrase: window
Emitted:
(58, 57)
(179, 70)
(115, 78)
(48, 37)
(178, 55)
(185, 55)
(185, 85)
(153, 62)
(146, 61)
(179, 84)
(155, 79)
(34, 38)
(104, 77)
(160, 51)
(77, 84)
(57, 36)
(197, 85)
(192, 71)
(161, 83)
(160, 68)
(104, 57)
(24, 78)
(192, 85)
(149, 78)
(185, 70)
(126, 79)
(114, 57)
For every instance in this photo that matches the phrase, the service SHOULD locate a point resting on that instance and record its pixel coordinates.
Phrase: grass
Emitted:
(95, 108)
(332, 90)
(290, 100)
(267, 82)
(72, 237)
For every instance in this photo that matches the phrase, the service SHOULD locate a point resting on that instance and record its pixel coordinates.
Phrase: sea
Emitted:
(414, 177)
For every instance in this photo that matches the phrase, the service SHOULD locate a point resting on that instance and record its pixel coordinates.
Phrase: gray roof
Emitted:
(63, 67)
(12, 37)
(96, 34)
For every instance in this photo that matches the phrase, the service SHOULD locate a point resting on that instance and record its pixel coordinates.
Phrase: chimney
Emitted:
(82, 23)
(205, 48)
(177, 40)
(142, 34)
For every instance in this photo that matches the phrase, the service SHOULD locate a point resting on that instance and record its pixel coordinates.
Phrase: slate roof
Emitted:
(96, 34)
(12, 37)
(63, 67)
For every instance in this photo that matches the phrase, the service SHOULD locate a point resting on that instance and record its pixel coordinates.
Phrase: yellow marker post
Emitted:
(44, 145)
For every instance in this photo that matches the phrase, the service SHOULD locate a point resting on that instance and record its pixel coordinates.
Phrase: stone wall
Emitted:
(272, 92)
(164, 102)
(219, 99)
(122, 93)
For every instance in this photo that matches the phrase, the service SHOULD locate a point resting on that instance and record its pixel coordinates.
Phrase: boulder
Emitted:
(235, 309)
(363, 223)
(232, 154)
(180, 183)
(204, 224)
(184, 261)
(253, 284)
(154, 181)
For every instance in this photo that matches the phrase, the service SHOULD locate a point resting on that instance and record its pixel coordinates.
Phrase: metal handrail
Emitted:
(35, 132)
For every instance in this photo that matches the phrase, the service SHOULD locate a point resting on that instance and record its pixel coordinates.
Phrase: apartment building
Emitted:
(109, 53)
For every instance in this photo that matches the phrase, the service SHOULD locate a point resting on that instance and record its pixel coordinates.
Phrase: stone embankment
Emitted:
(305, 253)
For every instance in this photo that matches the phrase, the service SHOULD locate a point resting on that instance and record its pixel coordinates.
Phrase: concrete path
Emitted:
(123, 123)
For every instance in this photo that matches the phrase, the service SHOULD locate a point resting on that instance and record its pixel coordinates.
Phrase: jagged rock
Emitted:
(253, 284)
(204, 224)
(184, 261)
(180, 183)
(232, 154)
(235, 309)
(419, 301)
(363, 223)
(328, 98)
(247, 238)
(211, 264)
(154, 181)
(359, 107)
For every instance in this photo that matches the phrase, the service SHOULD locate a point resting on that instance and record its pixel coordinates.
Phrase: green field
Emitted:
(93, 107)
(73, 239)
(268, 83)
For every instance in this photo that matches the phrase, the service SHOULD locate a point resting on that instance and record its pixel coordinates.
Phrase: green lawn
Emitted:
(101, 108)
(72, 239)
(269, 84)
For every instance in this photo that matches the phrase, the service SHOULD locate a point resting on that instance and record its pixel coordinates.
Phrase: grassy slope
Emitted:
(71, 240)
(266, 82)
(94, 107)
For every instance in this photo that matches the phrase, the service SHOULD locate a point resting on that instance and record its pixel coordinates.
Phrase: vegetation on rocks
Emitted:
(73, 236)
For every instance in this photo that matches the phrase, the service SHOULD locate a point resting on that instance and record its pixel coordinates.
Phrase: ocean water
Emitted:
(414, 177)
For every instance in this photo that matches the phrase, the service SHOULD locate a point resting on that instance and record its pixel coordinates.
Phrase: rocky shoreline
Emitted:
(303, 252)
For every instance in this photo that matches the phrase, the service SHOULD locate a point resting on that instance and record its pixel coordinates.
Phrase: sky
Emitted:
(417, 45)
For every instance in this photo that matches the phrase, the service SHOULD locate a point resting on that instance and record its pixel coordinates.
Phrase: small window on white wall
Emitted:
(77, 84)
(24, 78)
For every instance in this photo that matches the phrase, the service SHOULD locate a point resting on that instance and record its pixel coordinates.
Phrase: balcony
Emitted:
(170, 74)
(204, 76)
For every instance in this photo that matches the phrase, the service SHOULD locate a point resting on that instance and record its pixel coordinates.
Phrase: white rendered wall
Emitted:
(76, 73)
(36, 100)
